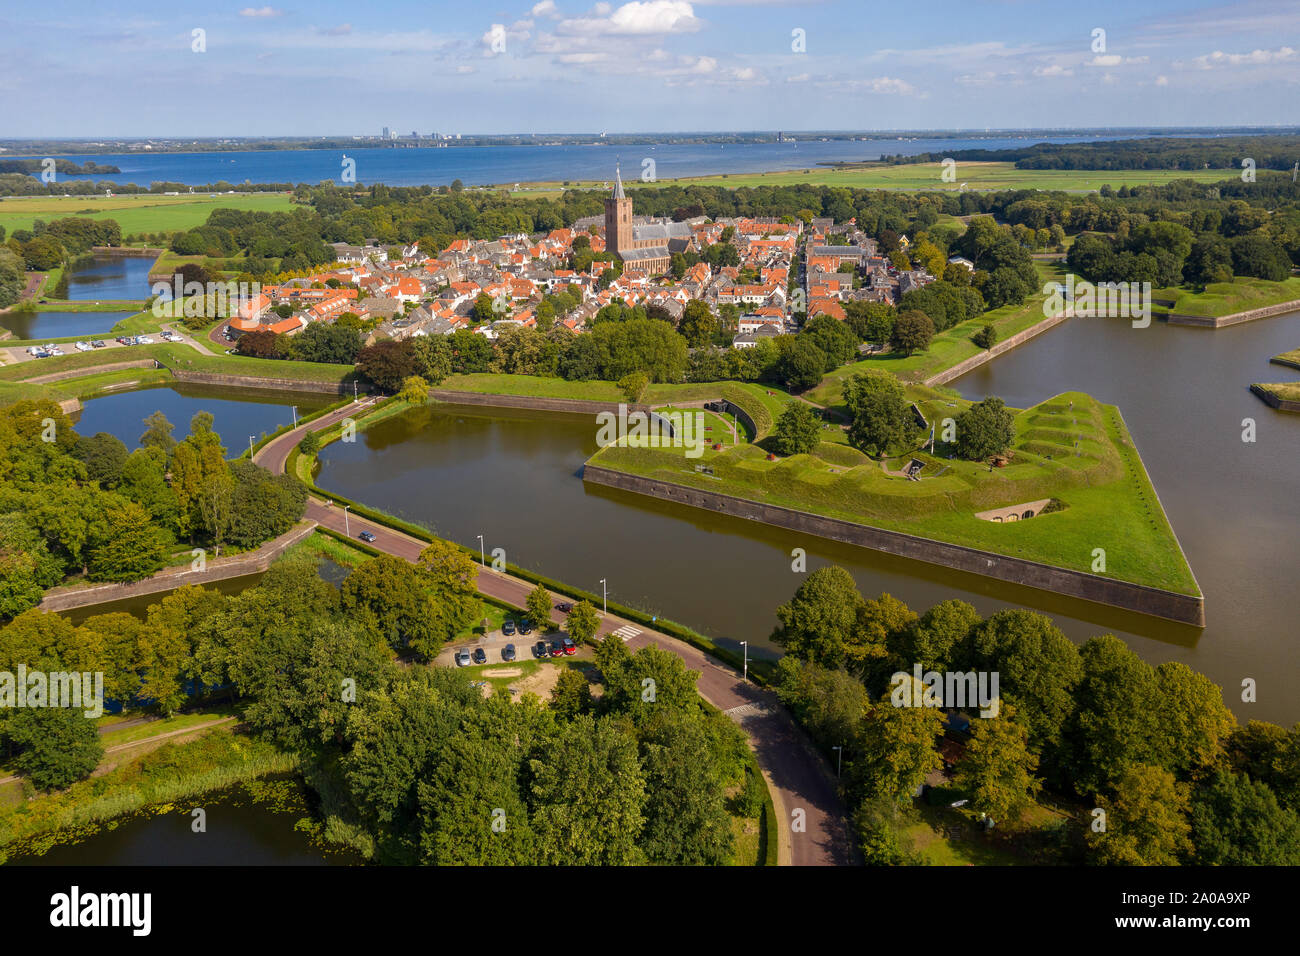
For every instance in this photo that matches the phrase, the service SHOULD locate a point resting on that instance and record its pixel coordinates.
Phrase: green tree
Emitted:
(822, 622)
(686, 819)
(57, 746)
(912, 332)
(882, 417)
(583, 622)
(415, 391)
(538, 607)
(310, 443)
(895, 749)
(572, 694)
(797, 430)
(634, 385)
(131, 548)
(1145, 822)
(997, 768)
(158, 433)
(589, 796)
(1238, 822)
(986, 337)
(985, 429)
(698, 325)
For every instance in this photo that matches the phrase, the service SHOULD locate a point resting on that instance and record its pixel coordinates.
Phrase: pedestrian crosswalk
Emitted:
(627, 632)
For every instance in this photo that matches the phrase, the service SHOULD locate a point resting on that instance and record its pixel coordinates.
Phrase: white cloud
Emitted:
(1253, 58)
(463, 68)
(1054, 70)
(261, 12)
(1109, 59)
(705, 64)
(1162, 80)
(546, 8)
(339, 31)
(583, 57)
(798, 78)
(638, 18)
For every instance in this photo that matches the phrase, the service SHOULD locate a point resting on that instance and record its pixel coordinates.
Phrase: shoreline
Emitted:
(1128, 596)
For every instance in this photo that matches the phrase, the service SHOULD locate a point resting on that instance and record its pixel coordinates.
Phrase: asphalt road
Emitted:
(800, 780)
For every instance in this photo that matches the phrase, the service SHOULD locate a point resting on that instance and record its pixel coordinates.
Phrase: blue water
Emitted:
(111, 277)
(246, 412)
(53, 325)
(484, 165)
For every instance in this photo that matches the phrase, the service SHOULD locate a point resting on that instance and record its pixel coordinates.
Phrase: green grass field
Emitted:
(1286, 391)
(135, 214)
(924, 176)
(948, 348)
(1226, 298)
(1110, 503)
(1291, 358)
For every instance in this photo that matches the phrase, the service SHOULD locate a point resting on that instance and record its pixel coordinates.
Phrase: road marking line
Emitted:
(627, 632)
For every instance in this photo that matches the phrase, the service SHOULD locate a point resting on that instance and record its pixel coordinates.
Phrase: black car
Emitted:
(366, 536)
(564, 607)
(539, 650)
(525, 627)
(508, 627)
(479, 656)
(508, 652)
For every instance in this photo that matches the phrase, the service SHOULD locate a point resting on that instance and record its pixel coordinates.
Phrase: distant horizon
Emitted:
(1265, 129)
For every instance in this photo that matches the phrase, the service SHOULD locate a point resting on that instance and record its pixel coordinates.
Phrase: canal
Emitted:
(515, 478)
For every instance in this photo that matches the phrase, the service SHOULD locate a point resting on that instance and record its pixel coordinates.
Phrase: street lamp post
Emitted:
(482, 558)
(346, 530)
(839, 760)
(604, 595)
(745, 674)
(250, 446)
(294, 408)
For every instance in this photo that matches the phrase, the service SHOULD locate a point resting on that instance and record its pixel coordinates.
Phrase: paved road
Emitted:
(803, 789)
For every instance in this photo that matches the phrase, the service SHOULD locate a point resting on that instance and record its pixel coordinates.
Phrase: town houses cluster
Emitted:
(787, 271)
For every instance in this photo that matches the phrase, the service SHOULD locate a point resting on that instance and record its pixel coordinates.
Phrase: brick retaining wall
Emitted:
(257, 381)
(576, 406)
(1236, 318)
(1183, 608)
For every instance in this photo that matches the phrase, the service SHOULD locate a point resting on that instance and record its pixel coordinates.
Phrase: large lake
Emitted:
(484, 165)
(515, 479)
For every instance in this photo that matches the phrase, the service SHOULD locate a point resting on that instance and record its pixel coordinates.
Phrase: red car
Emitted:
(556, 649)
(570, 648)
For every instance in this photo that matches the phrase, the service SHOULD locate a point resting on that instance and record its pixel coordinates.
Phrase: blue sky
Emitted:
(91, 68)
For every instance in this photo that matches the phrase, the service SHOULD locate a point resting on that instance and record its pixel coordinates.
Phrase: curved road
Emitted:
(802, 787)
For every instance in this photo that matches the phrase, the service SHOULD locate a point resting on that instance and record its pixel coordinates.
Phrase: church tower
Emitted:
(618, 218)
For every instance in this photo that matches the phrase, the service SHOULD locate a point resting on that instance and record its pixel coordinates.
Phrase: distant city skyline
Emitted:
(175, 70)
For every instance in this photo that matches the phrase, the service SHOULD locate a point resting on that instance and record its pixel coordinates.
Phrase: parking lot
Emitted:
(494, 642)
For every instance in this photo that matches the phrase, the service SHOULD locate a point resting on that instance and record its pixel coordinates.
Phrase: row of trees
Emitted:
(413, 764)
(1154, 747)
(85, 505)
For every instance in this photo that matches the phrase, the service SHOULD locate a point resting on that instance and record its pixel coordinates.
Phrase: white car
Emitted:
(53, 350)
(144, 340)
(82, 346)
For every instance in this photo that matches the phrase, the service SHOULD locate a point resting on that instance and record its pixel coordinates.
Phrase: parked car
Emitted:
(508, 652)
(570, 648)
(557, 649)
(99, 344)
(144, 340)
(564, 607)
(508, 627)
(82, 347)
(479, 656)
(366, 536)
(539, 650)
(525, 626)
(462, 658)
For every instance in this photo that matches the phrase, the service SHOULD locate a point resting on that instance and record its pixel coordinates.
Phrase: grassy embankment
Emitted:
(1110, 503)
(949, 347)
(1290, 359)
(1226, 298)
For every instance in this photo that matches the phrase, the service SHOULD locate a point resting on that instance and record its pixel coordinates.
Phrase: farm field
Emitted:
(138, 213)
(926, 176)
